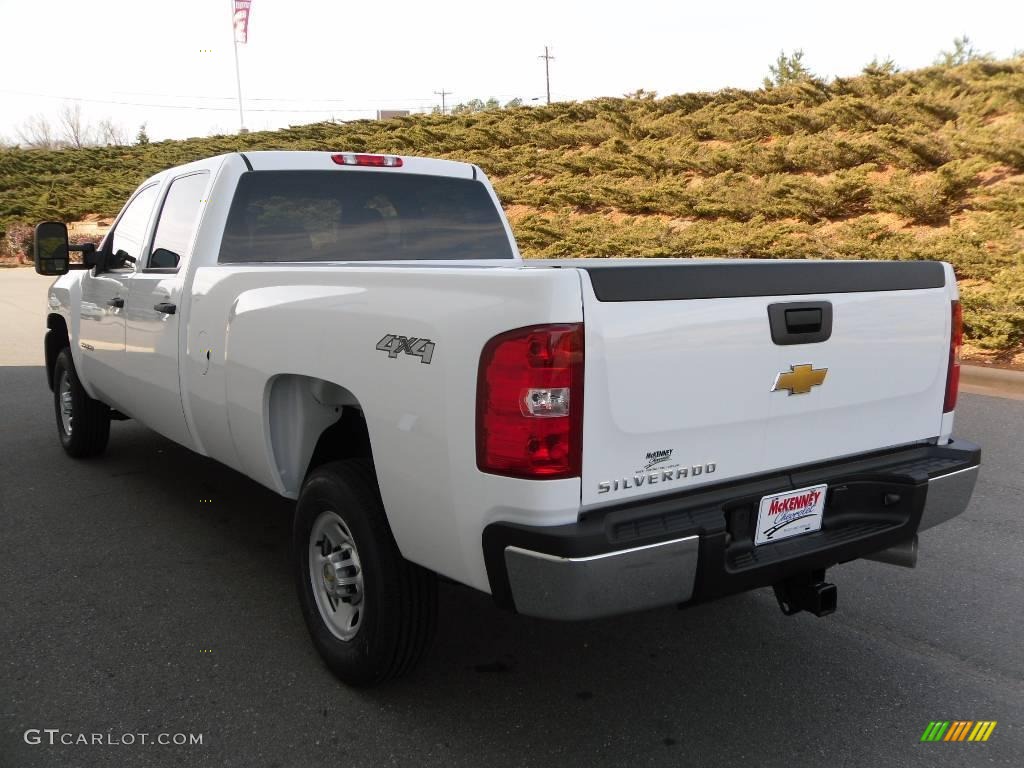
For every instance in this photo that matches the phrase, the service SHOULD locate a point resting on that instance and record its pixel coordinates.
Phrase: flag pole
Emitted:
(238, 75)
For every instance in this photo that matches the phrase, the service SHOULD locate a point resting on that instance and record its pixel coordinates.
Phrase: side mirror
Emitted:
(50, 248)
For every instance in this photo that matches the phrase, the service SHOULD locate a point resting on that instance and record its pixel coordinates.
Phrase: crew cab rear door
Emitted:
(701, 372)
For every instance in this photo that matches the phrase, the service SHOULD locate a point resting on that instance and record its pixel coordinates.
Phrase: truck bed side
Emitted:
(274, 352)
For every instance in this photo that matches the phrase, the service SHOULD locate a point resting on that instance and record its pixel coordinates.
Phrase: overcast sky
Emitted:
(170, 64)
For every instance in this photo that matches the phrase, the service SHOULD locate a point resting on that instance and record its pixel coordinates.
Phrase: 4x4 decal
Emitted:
(395, 345)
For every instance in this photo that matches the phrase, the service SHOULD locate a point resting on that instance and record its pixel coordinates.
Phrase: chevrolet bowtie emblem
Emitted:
(799, 379)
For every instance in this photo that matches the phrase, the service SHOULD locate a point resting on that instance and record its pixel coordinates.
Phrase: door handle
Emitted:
(117, 302)
(166, 307)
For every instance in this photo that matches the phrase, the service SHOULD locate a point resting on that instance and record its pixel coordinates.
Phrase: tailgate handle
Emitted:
(800, 322)
(803, 320)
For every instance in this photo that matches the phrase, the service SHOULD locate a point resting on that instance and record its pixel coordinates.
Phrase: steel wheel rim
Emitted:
(65, 404)
(336, 575)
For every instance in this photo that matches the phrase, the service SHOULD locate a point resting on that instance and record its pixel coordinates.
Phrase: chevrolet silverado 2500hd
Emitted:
(577, 438)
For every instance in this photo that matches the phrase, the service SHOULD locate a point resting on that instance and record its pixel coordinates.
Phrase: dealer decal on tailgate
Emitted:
(789, 514)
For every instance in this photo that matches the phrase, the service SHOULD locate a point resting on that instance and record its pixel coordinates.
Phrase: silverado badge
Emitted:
(799, 379)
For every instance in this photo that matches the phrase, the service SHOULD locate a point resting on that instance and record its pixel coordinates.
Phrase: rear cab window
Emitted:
(310, 216)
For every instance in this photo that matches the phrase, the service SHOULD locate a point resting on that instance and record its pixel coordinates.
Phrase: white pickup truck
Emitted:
(578, 438)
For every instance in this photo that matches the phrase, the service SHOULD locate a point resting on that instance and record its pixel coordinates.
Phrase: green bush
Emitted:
(995, 317)
(929, 198)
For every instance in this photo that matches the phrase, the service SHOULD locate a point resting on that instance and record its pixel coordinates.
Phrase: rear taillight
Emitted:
(956, 339)
(373, 161)
(529, 420)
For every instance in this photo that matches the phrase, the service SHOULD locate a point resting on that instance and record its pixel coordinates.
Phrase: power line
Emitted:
(395, 103)
(442, 93)
(403, 99)
(183, 106)
(548, 58)
(316, 100)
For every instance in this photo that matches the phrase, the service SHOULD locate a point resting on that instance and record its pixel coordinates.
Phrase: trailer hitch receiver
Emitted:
(806, 592)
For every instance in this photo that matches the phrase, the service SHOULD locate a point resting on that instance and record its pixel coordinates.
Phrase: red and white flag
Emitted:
(241, 20)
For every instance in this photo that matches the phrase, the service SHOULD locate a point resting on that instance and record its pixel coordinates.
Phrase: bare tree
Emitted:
(37, 133)
(76, 132)
(110, 133)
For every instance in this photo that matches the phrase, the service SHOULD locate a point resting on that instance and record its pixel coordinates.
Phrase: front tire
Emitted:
(370, 613)
(83, 424)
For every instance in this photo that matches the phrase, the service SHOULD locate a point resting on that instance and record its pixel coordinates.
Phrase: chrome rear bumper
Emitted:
(948, 496)
(552, 587)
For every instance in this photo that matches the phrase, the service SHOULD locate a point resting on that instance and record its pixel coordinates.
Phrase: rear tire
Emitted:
(370, 613)
(83, 424)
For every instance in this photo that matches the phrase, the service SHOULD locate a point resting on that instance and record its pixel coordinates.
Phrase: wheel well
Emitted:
(312, 421)
(347, 438)
(56, 339)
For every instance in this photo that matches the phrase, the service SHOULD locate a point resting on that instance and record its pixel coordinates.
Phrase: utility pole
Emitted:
(442, 93)
(548, 58)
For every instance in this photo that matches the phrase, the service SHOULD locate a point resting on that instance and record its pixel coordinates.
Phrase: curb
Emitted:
(992, 381)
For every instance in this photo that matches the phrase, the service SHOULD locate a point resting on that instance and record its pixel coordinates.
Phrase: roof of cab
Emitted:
(206, 164)
(321, 161)
(281, 160)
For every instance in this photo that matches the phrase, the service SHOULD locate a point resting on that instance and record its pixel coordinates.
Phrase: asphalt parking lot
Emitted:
(149, 592)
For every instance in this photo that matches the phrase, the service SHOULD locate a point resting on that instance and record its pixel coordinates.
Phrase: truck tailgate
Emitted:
(685, 386)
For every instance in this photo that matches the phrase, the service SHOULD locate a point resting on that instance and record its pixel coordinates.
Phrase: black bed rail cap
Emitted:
(674, 279)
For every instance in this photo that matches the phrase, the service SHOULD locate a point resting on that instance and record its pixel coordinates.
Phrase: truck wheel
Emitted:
(83, 424)
(370, 612)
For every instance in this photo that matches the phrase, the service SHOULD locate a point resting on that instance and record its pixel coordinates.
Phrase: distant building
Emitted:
(387, 114)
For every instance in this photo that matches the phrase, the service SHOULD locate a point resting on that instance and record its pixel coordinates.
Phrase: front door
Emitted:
(101, 334)
(153, 312)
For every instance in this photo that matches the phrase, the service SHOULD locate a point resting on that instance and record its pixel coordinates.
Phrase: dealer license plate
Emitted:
(792, 513)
